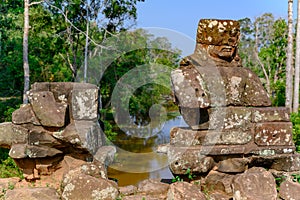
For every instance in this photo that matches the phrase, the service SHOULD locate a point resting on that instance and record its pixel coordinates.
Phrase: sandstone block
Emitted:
(233, 165)
(11, 134)
(24, 115)
(217, 181)
(37, 135)
(255, 183)
(273, 133)
(128, 190)
(289, 190)
(153, 187)
(287, 163)
(19, 151)
(182, 159)
(35, 193)
(84, 135)
(84, 186)
(184, 190)
(188, 137)
(84, 103)
(106, 154)
(47, 110)
(270, 114)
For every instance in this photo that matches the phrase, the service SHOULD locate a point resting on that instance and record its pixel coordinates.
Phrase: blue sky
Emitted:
(183, 16)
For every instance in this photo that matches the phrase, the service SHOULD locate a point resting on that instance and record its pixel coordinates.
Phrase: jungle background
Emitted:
(63, 33)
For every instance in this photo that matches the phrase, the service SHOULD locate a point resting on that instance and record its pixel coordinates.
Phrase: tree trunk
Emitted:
(289, 60)
(297, 63)
(86, 44)
(25, 51)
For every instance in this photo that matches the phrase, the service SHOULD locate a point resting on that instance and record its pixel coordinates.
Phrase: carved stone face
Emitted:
(224, 52)
(219, 37)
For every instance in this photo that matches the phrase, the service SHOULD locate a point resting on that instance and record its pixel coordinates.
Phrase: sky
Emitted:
(183, 16)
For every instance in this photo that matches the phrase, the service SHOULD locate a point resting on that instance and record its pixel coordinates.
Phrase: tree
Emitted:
(27, 4)
(297, 63)
(289, 60)
(105, 17)
(25, 51)
(263, 49)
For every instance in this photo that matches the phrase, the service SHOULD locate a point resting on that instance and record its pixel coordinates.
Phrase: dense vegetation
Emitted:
(57, 42)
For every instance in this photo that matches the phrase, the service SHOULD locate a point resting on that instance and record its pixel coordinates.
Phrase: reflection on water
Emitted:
(136, 157)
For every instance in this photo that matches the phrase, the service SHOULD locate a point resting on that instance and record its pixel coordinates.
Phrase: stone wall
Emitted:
(60, 120)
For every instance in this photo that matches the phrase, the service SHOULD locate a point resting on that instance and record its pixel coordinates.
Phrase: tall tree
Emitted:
(297, 62)
(27, 4)
(289, 60)
(263, 49)
(25, 51)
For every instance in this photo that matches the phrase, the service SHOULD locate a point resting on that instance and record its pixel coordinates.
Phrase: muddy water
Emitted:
(136, 158)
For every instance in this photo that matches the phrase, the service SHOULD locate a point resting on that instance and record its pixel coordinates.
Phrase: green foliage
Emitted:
(108, 130)
(295, 118)
(263, 49)
(296, 177)
(278, 95)
(177, 179)
(8, 167)
(188, 175)
(7, 106)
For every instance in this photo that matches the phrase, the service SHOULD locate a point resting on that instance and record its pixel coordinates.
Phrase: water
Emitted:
(136, 158)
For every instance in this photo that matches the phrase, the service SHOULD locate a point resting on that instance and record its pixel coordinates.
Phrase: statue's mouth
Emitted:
(227, 49)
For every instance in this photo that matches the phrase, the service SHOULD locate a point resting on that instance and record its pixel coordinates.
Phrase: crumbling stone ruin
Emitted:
(61, 121)
(232, 126)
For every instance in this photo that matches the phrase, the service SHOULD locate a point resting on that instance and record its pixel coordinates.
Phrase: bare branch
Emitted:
(67, 20)
(35, 3)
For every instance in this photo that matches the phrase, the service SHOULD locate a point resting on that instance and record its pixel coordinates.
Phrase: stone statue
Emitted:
(232, 125)
(213, 76)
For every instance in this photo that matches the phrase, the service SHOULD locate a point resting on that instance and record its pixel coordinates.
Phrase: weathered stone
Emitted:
(183, 191)
(84, 186)
(188, 137)
(255, 183)
(106, 154)
(233, 165)
(95, 169)
(48, 165)
(218, 32)
(68, 135)
(140, 196)
(55, 112)
(35, 193)
(273, 133)
(128, 190)
(270, 114)
(230, 118)
(288, 163)
(289, 190)
(40, 86)
(84, 135)
(217, 195)
(272, 150)
(10, 134)
(7, 184)
(215, 150)
(217, 181)
(182, 159)
(27, 166)
(84, 103)
(24, 115)
(39, 136)
(33, 151)
(153, 187)
(163, 148)
(19, 151)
